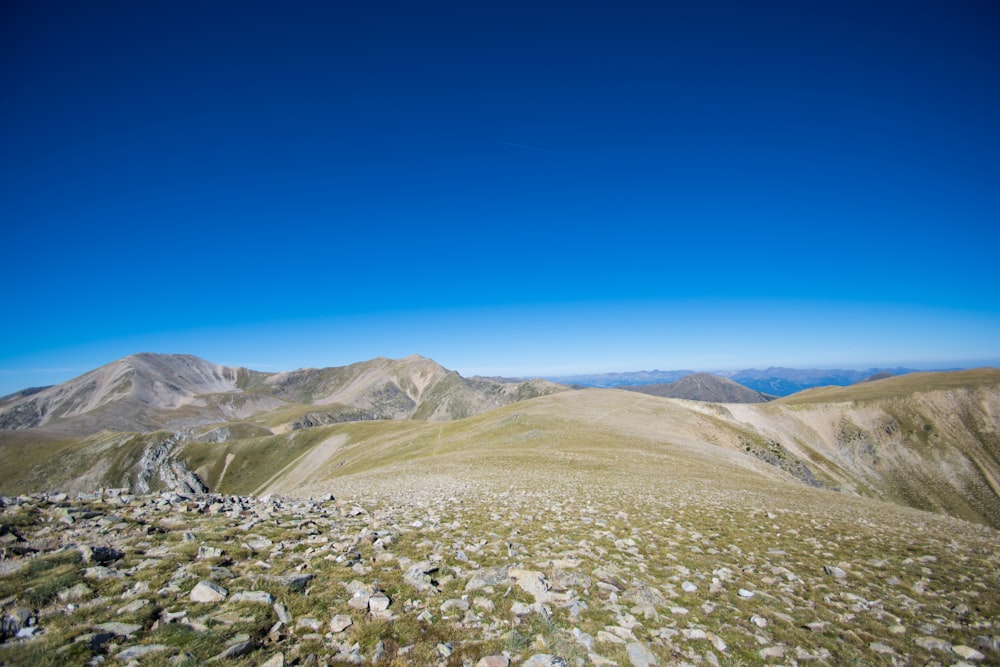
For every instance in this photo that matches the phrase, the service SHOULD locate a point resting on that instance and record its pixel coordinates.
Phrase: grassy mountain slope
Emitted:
(927, 440)
(704, 387)
(592, 525)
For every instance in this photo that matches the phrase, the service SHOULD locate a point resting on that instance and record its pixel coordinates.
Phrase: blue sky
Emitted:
(512, 188)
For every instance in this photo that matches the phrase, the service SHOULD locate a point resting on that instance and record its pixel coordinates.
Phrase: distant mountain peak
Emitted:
(147, 391)
(704, 387)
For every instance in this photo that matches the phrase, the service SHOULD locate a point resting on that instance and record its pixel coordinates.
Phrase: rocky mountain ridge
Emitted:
(146, 392)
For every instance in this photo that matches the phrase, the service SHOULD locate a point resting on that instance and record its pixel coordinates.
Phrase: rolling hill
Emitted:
(925, 440)
(704, 387)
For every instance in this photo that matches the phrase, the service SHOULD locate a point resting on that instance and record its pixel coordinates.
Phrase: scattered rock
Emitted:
(835, 572)
(206, 591)
(494, 661)
(258, 597)
(340, 622)
(968, 653)
(141, 651)
(544, 660)
(640, 656)
(772, 652)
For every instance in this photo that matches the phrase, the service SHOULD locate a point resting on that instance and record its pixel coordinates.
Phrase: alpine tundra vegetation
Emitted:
(163, 510)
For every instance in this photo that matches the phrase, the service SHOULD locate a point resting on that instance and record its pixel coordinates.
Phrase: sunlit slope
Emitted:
(931, 447)
(927, 440)
(608, 435)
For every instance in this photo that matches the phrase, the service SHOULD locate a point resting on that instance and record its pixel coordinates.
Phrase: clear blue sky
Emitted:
(505, 187)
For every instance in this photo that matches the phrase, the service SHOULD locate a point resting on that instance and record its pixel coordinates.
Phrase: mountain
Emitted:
(133, 393)
(148, 392)
(785, 381)
(925, 440)
(771, 381)
(839, 525)
(622, 379)
(704, 387)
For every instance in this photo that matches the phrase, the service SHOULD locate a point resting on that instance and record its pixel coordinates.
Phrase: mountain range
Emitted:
(163, 509)
(145, 392)
(926, 440)
(774, 381)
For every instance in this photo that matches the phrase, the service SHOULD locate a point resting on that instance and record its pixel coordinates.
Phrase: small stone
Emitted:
(488, 576)
(418, 576)
(237, 650)
(378, 603)
(308, 624)
(340, 622)
(99, 555)
(208, 552)
(772, 652)
(259, 597)
(454, 604)
(879, 647)
(259, 544)
(520, 609)
(95, 641)
(744, 593)
(277, 660)
(444, 649)
(136, 652)
(968, 653)
(932, 644)
(281, 611)
(133, 606)
(99, 572)
(120, 629)
(835, 572)
(494, 661)
(75, 593)
(359, 600)
(544, 660)
(640, 656)
(688, 587)
(531, 582)
(609, 638)
(759, 621)
(206, 591)
(991, 643)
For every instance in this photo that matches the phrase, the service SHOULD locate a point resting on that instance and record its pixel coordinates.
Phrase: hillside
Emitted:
(927, 441)
(595, 526)
(704, 387)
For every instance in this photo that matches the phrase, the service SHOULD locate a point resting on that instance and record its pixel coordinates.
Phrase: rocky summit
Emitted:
(499, 574)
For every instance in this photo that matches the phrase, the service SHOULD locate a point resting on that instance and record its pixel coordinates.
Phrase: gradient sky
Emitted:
(516, 188)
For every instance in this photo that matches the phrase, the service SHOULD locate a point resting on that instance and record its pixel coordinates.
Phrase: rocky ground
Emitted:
(495, 575)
